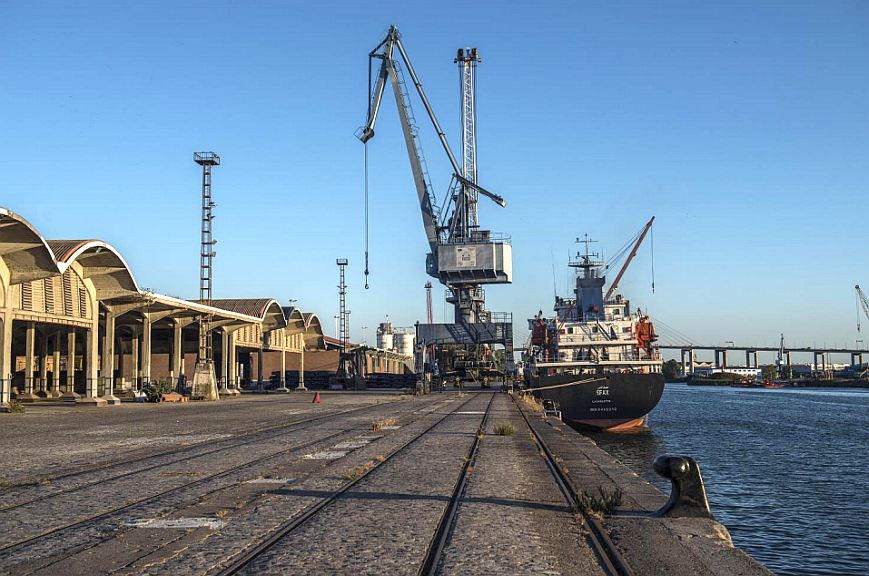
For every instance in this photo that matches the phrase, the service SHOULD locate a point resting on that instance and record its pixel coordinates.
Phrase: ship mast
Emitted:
(589, 286)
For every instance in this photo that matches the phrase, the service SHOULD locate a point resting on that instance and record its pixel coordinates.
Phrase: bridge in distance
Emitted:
(820, 356)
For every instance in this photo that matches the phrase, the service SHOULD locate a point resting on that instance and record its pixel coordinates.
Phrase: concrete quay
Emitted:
(368, 483)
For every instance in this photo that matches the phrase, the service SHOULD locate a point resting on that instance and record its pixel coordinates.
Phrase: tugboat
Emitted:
(596, 359)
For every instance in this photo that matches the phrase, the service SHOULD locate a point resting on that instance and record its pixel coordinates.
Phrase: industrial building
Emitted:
(74, 324)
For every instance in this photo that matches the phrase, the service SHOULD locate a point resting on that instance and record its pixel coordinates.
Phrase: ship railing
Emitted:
(586, 337)
(612, 357)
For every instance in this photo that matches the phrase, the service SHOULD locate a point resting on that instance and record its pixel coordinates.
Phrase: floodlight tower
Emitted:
(342, 303)
(204, 379)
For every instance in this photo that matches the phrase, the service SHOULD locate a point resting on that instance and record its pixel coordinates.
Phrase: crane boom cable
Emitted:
(365, 146)
(652, 247)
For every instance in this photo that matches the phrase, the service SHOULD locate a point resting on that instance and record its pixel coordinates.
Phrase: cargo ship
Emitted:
(596, 358)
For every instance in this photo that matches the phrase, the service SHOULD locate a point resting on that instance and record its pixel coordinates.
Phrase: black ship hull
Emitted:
(614, 401)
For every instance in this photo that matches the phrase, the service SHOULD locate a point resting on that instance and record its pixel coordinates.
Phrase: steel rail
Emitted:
(610, 558)
(251, 437)
(193, 483)
(447, 522)
(244, 559)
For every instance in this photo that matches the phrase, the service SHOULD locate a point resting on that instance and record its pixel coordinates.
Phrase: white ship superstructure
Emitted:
(592, 332)
(608, 341)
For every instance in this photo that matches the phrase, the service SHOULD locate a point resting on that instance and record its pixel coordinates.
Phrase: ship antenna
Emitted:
(554, 287)
(652, 246)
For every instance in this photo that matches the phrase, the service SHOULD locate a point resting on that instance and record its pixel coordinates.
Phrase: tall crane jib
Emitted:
(462, 256)
(863, 302)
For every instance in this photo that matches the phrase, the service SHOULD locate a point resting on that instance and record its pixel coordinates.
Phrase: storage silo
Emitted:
(385, 336)
(404, 342)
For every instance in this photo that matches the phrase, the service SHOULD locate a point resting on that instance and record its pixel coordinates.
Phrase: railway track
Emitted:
(435, 551)
(91, 520)
(246, 560)
(608, 555)
(251, 437)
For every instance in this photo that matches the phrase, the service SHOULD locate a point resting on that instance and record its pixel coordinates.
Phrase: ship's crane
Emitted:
(641, 237)
(462, 256)
(864, 302)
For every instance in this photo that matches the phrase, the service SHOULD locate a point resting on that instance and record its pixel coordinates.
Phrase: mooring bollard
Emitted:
(688, 495)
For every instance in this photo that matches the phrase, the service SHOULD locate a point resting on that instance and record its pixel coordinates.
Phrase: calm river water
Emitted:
(786, 470)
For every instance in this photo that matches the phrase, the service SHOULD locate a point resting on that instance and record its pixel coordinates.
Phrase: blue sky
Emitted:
(742, 126)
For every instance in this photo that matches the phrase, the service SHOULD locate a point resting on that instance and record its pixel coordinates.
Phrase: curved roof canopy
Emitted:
(24, 251)
(267, 310)
(101, 263)
(295, 320)
(314, 338)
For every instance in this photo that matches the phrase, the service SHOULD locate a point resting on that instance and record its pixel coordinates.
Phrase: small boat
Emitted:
(774, 384)
(746, 383)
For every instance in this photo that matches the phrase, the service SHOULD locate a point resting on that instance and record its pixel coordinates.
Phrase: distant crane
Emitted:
(864, 302)
(780, 358)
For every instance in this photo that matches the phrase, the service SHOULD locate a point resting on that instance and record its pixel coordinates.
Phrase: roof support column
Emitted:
(301, 386)
(259, 367)
(121, 348)
(92, 343)
(146, 349)
(233, 364)
(134, 361)
(5, 360)
(29, 345)
(108, 361)
(42, 381)
(54, 392)
(228, 364)
(69, 393)
(177, 351)
(282, 379)
(224, 362)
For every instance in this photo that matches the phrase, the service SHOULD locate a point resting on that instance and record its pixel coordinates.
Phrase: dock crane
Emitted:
(462, 256)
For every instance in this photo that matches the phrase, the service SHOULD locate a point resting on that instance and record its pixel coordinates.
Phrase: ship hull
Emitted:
(614, 402)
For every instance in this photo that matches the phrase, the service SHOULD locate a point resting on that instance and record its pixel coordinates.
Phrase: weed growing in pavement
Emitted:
(602, 505)
(16, 407)
(358, 471)
(505, 429)
(382, 423)
(530, 402)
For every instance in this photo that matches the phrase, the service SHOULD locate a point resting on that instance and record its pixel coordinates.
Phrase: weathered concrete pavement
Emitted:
(188, 489)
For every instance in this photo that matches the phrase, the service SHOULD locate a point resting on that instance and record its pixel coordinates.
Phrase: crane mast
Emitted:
(467, 59)
(462, 256)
